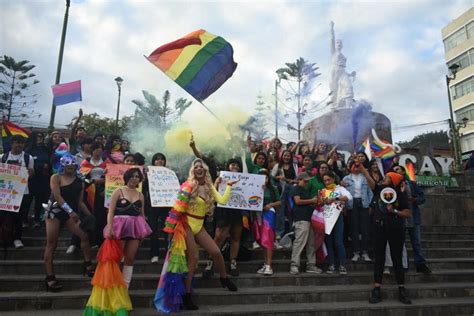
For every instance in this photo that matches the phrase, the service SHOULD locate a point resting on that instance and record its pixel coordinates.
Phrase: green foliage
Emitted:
(256, 125)
(428, 141)
(15, 80)
(94, 123)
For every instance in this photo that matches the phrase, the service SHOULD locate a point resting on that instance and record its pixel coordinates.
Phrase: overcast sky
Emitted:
(394, 46)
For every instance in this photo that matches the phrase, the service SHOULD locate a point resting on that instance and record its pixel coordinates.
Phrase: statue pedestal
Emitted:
(336, 127)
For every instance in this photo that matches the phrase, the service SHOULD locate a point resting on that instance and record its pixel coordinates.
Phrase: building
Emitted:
(458, 38)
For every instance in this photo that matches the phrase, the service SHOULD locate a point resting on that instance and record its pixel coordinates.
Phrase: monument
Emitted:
(350, 121)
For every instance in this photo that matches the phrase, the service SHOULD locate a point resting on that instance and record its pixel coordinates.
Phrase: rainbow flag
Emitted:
(8, 130)
(67, 93)
(410, 168)
(199, 62)
(365, 148)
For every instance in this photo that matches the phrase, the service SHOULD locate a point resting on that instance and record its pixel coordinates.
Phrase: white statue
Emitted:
(341, 82)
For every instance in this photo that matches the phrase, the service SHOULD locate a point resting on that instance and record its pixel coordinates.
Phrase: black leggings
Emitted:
(396, 238)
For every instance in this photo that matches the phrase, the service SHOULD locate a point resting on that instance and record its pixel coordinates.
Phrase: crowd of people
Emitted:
(302, 183)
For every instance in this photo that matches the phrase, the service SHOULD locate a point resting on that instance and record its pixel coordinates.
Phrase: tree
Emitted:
(428, 141)
(154, 112)
(256, 125)
(304, 74)
(94, 123)
(16, 79)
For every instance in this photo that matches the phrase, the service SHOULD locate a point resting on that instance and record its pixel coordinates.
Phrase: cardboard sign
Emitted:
(13, 182)
(332, 211)
(163, 186)
(114, 180)
(247, 194)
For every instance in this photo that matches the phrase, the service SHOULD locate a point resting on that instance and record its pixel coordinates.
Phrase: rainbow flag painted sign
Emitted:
(199, 62)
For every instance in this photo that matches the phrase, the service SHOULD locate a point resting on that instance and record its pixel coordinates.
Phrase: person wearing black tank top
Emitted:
(66, 200)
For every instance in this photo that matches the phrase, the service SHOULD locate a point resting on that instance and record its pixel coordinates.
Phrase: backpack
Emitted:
(26, 157)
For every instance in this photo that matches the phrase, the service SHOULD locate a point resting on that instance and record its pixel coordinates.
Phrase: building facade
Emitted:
(458, 39)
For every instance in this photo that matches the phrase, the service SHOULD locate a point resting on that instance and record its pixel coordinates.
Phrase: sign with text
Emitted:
(13, 182)
(433, 181)
(114, 180)
(163, 186)
(247, 194)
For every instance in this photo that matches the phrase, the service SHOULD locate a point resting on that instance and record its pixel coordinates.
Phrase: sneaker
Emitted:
(255, 245)
(366, 257)
(313, 269)
(342, 270)
(294, 270)
(267, 270)
(276, 245)
(208, 270)
(262, 269)
(233, 271)
(356, 257)
(36, 225)
(154, 259)
(70, 250)
(94, 247)
(423, 269)
(331, 269)
(375, 296)
(386, 271)
(18, 244)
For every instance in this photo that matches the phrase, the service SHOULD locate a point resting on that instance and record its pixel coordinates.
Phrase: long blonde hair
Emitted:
(209, 197)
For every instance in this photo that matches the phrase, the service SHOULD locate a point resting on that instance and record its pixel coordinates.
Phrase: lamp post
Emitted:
(452, 125)
(281, 76)
(119, 81)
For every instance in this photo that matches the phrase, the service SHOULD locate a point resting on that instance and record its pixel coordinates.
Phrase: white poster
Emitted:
(331, 214)
(163, 186)
(13, 182)
(247, 194)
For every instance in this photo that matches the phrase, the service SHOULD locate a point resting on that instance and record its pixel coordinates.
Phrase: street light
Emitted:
(119, 81)
(454, 129)
(281, 75)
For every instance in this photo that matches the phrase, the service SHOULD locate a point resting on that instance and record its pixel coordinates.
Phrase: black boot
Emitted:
(403, 295)
(52, 284)
(375, 296)
(188, 302)
(227, 283)
(423, 268)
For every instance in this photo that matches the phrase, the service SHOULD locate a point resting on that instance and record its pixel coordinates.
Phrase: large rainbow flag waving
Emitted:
(199, 62)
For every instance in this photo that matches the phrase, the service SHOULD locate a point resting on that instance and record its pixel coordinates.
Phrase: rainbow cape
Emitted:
(86, 167)
(8, 130)
(171, 286)
(109, 292)
(199, 62)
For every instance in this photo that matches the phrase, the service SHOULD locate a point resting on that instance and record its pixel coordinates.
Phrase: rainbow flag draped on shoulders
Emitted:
(8, 130)
(171, 285)
(199, 62)
(109, 295)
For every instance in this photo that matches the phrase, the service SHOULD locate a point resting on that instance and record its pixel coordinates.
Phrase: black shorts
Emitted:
(57, 213)
(226, 217)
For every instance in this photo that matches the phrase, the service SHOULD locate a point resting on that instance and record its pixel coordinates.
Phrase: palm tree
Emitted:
(14, 83)
(303, 73)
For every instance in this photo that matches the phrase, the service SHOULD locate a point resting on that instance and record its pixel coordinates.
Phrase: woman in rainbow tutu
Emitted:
(195, 200)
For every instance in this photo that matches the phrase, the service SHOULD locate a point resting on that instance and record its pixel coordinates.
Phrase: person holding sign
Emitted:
(65, 203)
(195, 200)
(333, 198)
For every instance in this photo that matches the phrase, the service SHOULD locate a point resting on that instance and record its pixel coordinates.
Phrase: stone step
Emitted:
(446, 229)
(35, 282)
(218, 297)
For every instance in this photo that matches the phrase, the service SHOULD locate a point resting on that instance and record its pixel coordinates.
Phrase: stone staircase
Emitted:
(449, 290)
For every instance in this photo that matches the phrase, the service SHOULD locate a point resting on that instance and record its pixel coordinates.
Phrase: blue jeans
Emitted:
(415, 237)
(335, 240)
(283, 209)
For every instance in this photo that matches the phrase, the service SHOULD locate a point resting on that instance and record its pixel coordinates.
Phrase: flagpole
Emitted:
(60, 62)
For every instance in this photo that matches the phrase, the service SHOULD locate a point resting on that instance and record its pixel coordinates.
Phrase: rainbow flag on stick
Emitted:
(365, 148)
(67, 93)
(410, 168)
(199, 62)
(8, 130)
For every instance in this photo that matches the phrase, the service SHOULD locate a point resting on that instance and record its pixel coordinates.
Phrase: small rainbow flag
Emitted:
(67, 93)
(8, 130)
(410, 168)
(199, 62)
(365, 148)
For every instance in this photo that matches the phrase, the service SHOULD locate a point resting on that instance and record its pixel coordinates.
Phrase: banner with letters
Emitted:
(114, 180)
(247, 194)
(13, 182)
(163, 186)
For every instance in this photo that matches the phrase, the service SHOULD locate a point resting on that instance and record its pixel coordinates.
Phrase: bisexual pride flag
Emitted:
(199, 62)
(67, 92)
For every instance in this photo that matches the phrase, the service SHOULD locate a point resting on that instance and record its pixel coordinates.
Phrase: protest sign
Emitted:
(163, 186)
(13, 182)
(247, 194)
(114, 180)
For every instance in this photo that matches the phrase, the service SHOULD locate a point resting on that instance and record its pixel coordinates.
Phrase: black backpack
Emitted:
(26, 157)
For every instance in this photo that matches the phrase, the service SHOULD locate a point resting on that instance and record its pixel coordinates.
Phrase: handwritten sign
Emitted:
(13, 182)
(114, 180)
(163, 186)
(331, 212)
(247, 194)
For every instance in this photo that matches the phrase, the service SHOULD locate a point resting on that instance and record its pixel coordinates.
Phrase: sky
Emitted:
(395, 47)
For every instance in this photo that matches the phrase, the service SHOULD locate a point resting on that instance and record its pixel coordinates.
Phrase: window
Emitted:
(462, 88)
(470, 30)
(467, 112)
(467, 143)
(455, 39)
(463, 61)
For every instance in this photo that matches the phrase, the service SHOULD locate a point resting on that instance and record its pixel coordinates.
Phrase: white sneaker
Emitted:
(386, 271)
(331, 269)
(313, 269)
(356, 257)
(294, 270)
(268, 270)
(155, 259)
(70, 250)
(18, 244)
(366, 257)
(276, 245)
(255, 245)
(262, 269)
